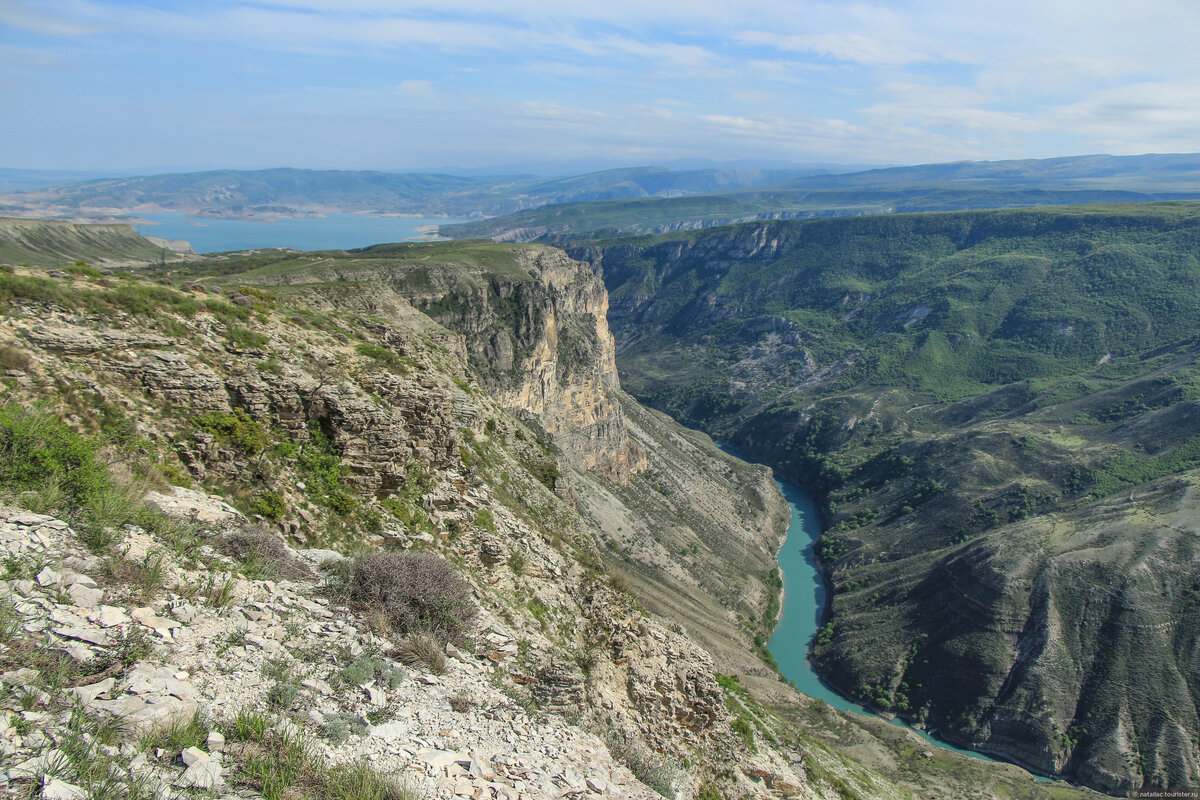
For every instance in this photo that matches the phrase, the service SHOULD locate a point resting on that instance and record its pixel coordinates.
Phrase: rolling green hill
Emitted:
(566, 223)
(51, 243)
(1000, 413)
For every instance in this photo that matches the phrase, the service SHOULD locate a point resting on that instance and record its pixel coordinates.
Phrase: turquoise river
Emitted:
(804, 606)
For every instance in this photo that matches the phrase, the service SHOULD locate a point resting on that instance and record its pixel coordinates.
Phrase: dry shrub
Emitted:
(417, 591)
(261, 555)
(423, 648)
(13, 357)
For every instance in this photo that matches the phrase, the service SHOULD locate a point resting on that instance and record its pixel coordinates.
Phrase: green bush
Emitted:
(246, 337)
(56, 470)
(282, 695)
(263, 299)
(16, 288)
(269, 504)
(237, 429)
(385, 358)
(365, 668)
(322, 469)
(83, 269)
(150, 300)
(225, 312)
(340, 726)
(37, 450)
(744, 729)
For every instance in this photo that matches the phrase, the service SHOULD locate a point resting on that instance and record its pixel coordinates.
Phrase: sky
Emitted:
(397, 85)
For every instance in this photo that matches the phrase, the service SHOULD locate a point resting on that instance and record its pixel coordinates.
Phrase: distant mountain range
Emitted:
(635, 200)
(282, 192)
(1075, 180)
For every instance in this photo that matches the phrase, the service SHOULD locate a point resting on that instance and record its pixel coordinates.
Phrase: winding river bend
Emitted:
(804, 607)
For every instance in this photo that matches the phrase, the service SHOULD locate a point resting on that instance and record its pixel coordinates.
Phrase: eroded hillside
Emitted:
(338, 421)
(53, 243)
(341, 431)
(998, 413)
(694, 529)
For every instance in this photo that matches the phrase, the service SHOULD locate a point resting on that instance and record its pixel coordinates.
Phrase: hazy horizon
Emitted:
(406, 86)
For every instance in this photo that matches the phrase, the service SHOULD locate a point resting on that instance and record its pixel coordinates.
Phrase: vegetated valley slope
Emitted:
(1000, 414)
(308, 391)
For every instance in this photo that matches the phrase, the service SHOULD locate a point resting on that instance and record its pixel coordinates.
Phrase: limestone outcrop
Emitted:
(343, 432)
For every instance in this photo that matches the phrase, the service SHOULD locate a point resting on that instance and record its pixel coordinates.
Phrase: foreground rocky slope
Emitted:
(997, 411)
(210, 663)
(336, 430)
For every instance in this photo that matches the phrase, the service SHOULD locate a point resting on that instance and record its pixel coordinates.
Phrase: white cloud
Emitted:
(859, 80)
(850, 47)
(936, 106)
(40, 20)
(1146, 117)
(422, 90)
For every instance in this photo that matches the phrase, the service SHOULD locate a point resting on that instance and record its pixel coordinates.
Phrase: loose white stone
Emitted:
(88, 694)
(110, 616)
(54, 789)
(90, 635)
(85, 596)
(202, 775)
(193, 755)
(390, 730)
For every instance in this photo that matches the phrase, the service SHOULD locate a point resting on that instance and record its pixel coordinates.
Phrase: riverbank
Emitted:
(804, 607)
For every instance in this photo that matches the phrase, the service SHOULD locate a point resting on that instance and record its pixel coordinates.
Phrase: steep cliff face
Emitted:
(534, 329)
(544, 347)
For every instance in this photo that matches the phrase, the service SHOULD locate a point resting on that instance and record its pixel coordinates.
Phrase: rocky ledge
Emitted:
(275, 650)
